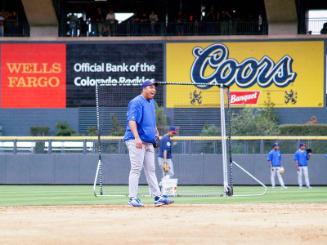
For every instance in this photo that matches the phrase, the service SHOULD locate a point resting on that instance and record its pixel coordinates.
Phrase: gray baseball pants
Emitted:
(139, 158)
(303, 170)
(274, 171)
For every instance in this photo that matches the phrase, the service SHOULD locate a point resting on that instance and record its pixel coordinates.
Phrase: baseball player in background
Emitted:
(140, 137)
(301, 158)
(165, 157)
(275, 160)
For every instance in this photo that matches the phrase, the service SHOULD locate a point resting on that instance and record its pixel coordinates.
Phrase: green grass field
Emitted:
(18, 195)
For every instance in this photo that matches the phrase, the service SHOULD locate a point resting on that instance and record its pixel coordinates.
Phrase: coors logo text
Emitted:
(213, 65)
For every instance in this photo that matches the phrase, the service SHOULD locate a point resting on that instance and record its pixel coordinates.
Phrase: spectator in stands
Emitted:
(73, 25)
(144, 24)
(83, 25)
(99, 19)
(210, 20)
(11, 24)
(135, 24)
(2, 24)
(260, 23)
(110, 23)
(194, 24)
(92, 29)
(225, 22)
(153, 18)
(324, 29)
(180, 21)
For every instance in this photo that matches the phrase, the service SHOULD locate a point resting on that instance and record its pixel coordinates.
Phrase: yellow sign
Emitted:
(288, 74)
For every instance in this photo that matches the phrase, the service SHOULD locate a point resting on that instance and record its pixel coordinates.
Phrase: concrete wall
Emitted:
(282, 17)
(42, 17)
(189, 169)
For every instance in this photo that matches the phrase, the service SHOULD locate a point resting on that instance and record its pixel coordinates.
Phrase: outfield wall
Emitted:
(190, 169)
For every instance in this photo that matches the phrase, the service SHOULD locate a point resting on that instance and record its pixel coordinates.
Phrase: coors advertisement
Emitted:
(119, 68)
(288, 74)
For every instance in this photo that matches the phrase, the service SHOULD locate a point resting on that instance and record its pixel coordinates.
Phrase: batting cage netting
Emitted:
(202, 162)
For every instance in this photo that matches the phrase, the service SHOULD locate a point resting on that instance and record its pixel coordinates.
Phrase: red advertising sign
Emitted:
(33, 76)
(244, 97)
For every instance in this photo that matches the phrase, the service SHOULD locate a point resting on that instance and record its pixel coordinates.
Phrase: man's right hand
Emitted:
(138, 143)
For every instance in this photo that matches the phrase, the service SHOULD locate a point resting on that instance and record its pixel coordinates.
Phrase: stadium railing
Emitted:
(182, 144)
(314, 26)
(170, 29)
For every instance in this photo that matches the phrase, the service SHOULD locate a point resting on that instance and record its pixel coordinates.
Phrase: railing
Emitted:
(167, 29)
(12, 28)
(315, 26)
(182, 144)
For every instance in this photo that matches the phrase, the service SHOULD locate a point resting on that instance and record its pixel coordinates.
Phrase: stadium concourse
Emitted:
(235, 78)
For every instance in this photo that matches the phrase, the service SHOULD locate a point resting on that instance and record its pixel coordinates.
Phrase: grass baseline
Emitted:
(49, 195)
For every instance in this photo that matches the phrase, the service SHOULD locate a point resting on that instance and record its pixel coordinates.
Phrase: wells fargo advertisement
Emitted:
(288, 74)
(33, 76)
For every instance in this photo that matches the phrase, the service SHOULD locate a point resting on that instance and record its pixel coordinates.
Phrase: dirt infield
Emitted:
(176, 224)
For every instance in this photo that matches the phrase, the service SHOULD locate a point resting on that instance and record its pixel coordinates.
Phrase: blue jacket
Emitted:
(275, 157)
(143, 112)
(301, 157)
(165, 145)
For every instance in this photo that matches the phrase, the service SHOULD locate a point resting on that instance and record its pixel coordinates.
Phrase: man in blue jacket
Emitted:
(301, 158)
(140, 138)
(165, 156)
(275, 160)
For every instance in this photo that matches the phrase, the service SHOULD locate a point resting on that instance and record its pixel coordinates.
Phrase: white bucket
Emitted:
(169, 186)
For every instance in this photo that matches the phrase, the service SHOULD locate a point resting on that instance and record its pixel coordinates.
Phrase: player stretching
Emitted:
(301, 158)
(275, 160)
(140, 135)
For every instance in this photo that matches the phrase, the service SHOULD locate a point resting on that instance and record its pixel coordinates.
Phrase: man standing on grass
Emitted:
(275, 160)
(140, 137)
(165, 156)
(301, 158)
